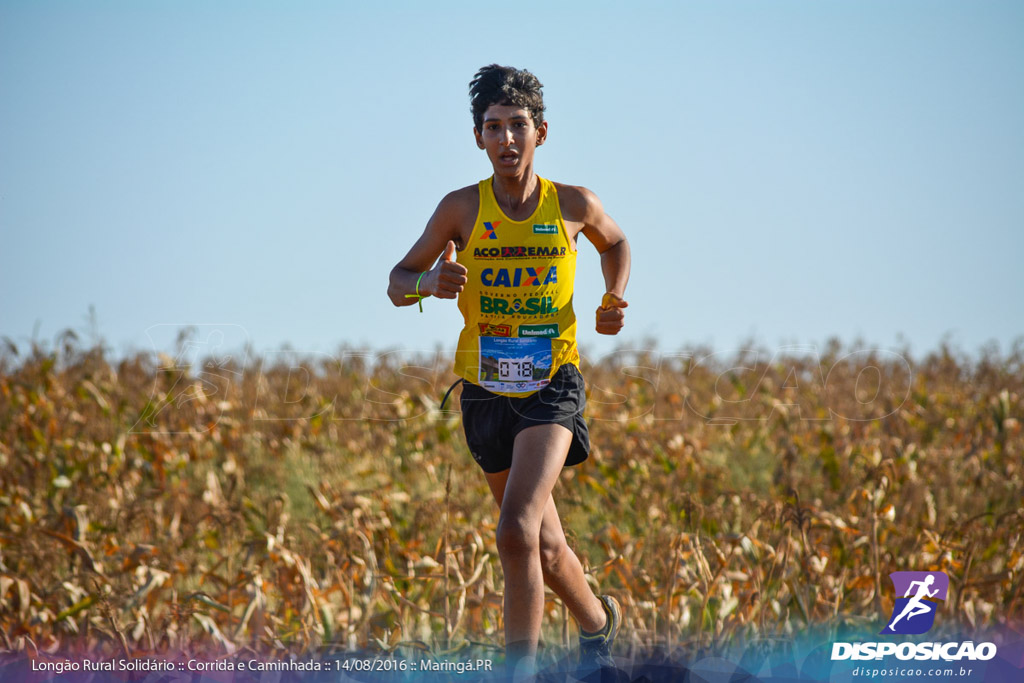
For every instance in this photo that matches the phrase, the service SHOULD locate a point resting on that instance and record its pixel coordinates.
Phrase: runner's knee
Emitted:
(516, 537)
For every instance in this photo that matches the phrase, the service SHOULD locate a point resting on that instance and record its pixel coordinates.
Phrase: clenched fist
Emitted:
(610, 316)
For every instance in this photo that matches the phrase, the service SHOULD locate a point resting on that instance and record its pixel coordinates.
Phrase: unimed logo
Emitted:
(916, 596)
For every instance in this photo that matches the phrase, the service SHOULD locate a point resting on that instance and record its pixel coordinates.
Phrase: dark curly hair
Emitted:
(505, 85)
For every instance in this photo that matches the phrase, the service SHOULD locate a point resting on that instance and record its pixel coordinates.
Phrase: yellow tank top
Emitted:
(517, 305)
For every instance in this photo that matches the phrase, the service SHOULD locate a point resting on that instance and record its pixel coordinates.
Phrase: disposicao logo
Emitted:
(916, 596)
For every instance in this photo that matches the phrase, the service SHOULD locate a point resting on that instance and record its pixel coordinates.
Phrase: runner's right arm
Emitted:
(442, 236)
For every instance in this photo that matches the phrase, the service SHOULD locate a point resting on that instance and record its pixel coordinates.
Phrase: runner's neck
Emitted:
(518, 198)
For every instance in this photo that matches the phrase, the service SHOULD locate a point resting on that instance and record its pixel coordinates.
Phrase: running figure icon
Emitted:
(916, 605)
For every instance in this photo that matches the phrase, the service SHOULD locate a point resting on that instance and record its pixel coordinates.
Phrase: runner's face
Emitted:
(509, 137)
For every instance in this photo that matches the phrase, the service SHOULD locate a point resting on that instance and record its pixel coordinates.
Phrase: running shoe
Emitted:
(596, 648)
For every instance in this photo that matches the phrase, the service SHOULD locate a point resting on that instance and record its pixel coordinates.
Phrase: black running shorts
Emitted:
(492, 421)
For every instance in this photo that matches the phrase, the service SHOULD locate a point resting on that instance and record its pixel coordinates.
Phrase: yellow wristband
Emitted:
(609, 300)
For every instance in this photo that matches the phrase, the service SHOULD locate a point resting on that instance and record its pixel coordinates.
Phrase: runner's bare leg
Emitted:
(563, 572)
(538, 458)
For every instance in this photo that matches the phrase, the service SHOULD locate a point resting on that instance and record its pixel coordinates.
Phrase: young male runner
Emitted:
(507, 249)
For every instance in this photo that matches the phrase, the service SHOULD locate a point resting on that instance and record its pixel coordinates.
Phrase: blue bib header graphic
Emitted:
(917, 594)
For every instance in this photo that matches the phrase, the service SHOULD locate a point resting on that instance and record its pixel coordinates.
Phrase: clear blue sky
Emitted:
(785, 171)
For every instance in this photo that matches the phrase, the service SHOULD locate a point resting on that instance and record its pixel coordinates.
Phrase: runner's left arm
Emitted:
(605, 234)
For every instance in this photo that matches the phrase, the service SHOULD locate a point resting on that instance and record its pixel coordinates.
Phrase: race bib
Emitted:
(514, 364)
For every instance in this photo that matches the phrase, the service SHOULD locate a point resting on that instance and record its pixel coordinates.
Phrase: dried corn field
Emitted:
(316, 506)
